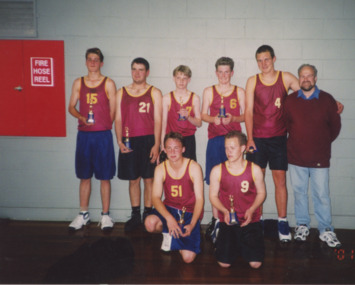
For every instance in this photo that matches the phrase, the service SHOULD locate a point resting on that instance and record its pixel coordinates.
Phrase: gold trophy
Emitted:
(232, 214)
(127, 143)
(181, 221)
(91, 117)
(251, 150)
(181, 118)
(222, 110)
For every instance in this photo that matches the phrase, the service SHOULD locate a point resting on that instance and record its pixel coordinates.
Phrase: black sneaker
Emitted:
(133, 223)
(210, 228)
(214, 234)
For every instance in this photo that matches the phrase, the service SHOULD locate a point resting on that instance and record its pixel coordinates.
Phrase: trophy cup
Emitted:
(127, 143)
(181, 221)
(232, 214)
(222, 110)
(91, 117)
(181, 118)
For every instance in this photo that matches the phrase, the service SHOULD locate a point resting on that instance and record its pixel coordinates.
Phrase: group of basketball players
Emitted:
(156, 139)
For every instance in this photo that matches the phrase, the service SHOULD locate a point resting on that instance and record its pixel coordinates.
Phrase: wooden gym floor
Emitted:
(29, 248)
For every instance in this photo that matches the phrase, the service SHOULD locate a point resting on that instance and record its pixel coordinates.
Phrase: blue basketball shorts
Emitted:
(95, 155)
(191, 243)
(215, 154)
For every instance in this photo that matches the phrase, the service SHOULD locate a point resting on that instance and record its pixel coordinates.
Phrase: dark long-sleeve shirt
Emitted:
(312, 126)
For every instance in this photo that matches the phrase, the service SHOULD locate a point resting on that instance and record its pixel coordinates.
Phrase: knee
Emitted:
(188, 256)
(105, 183)
(279, 177)
(149, 224)
(224, 265)
(255, 264)
(85, 181)
(135, 182)
(188, 259)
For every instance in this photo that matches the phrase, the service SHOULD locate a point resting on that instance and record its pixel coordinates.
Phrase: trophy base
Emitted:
(233, 219)
(182, 228)
(251, 150)
(90, 121)
(222, 116)
(182, 119)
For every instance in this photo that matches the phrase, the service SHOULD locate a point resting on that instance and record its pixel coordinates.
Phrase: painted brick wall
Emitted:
(37, 180)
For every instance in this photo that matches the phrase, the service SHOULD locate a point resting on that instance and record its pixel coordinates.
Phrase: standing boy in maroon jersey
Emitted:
(265, 126)
(94, 148)
(237, 190)
(138, 119)
(178, 216)
(230, 98)
(266, 129)
(181, 111)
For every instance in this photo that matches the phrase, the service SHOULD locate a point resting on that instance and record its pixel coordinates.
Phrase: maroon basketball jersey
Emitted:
(243, 189)
(268, 120)
(96, 97)
(137, 113)
(185, 128)
(179, 191)
(231, 105)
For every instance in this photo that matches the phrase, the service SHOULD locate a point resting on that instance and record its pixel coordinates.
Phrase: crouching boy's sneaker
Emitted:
(330, 238)
(80, 220)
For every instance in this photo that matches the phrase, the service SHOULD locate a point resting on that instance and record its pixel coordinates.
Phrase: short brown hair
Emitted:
(140, 60)
(242, 138)
(94, 50)
(265, 48)
(225, 61)
(174, 136)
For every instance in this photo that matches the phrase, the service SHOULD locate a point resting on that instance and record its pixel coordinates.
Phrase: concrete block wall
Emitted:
(37, 179)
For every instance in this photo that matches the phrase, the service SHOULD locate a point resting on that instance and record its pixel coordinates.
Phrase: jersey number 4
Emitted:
(278, 103)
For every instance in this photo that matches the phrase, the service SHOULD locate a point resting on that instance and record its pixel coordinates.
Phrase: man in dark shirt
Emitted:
(313, 124)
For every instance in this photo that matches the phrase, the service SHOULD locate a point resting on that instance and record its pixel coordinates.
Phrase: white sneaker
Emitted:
(301, 233)
(106, 222)
(284, 230)
(330, 238)
(80, 220)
